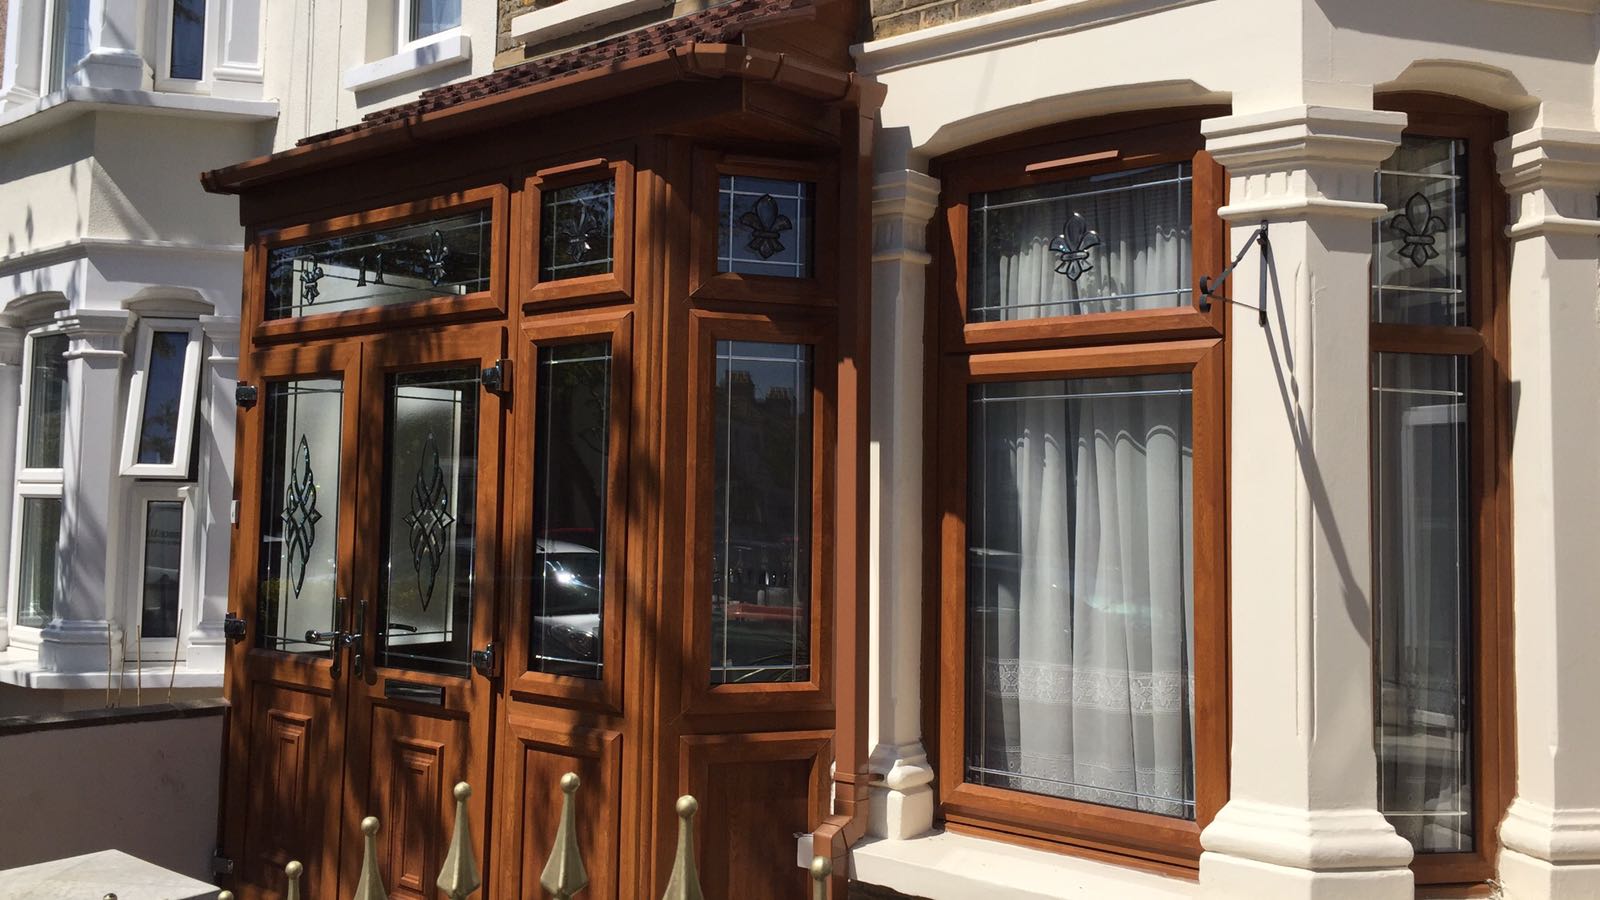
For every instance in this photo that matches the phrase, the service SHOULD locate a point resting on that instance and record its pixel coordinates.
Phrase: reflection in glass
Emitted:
(761, 514)
(1419, 257)
(383, 267)
(1105, 243)
(188, 39)
(764, 226)
(1080, 668)
(576, 230)
(163, 391)
(1424, 595)
(69, 40)
(163, 559)
(47, 402)
(429, 17)
(429, 514)
(36, 579)
(299, 512)
(572, 444)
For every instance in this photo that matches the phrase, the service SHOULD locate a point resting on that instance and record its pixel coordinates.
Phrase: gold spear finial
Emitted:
(821, 868)
(460, 874)
(685, 881)
(224, 895)
(564, 875)
(370, 887)
(292, 873)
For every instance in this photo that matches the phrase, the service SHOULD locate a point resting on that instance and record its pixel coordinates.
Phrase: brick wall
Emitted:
(892, 17)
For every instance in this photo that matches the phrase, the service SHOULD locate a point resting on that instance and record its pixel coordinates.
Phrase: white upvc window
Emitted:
(186, 42)
(158, 593)
(36, 515)
(158, 431)
(420, 20)
(67, 40)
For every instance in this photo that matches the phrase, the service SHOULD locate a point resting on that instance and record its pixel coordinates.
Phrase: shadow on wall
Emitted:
(144, 781)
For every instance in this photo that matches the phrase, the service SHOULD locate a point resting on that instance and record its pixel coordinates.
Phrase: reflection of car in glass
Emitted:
(566, 620)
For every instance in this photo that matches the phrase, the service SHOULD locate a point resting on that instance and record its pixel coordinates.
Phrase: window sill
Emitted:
(59, 106)
(574, 16)
(961, 867)
(436, 52)
(19, 667)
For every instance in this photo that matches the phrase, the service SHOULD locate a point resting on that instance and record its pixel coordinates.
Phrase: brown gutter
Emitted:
(687, 62)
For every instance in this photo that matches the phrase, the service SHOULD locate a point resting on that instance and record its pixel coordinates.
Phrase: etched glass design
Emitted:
(764, 226)
(1419, 254)
(163, 391)
(428, 260)
(188, 39)
(1423, 581)
(47, 402)
(576, 228)
(429, 519)
(1104, 243)
(572, 447)
(303, 424)
(761, 513)
(37, 587)
(163, 561)
(1080, 587)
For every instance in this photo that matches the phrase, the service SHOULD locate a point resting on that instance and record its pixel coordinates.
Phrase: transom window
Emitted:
(158, 435)
(764, 226)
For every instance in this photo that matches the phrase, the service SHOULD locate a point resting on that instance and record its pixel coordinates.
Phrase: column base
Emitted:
(1523, 877)
(1262, 850)
(901, 804)
(1224, 876)
(207, 650)
(1549, 853)
(80, 645)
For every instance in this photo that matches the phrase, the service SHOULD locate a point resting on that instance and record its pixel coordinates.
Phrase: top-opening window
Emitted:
(1112, 242)
(425, 18)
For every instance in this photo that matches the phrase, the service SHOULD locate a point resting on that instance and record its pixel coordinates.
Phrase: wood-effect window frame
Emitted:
(1176, 340)
(706, 283)
(1484, 341)
(615, 286)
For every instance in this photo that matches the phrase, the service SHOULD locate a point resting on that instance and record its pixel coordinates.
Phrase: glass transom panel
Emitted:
(1080, 661)
(444, 257)
(764, 226)
(1419, 258)
(47, 402)
(1102, 243)
(576, 230)
(163, 394)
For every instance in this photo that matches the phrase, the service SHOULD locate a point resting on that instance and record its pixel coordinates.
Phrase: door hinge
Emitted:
(244, 394)
(497, 378)
(487, 661)
(221, 865)
(233, 627)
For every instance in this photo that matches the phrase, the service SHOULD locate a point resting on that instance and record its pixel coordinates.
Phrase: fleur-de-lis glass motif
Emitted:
(1417, 227)
(429, 520)
(435, 256)
(1072, 248)
(300, 515)
(766, 226)
(586, 235)
(310, 273)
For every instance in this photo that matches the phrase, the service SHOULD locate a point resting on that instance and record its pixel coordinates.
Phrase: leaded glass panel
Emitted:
(446, 257)
(1419, 257)
(303, 422)
(764, 226)
(576, 229)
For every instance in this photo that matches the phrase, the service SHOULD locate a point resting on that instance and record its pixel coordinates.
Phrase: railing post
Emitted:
(291, 872)
(685, 881)
(821, 868)
(370, 887)
(460, 876)
(564, 875)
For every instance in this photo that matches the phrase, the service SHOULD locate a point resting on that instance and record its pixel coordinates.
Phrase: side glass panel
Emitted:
(447, 257)
(764, 226)
(1419, 258)
(761, 536)
(570, 454)
(47, 400)
(1080, 597)
(429, 518)
(163, 562)
(1424, 591)
(1106, 243)
(576, 228)
(300, 512)
(163, 392)
(36, 584)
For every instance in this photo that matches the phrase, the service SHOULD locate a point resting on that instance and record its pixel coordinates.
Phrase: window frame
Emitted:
(140, 495)
(706, 283)
(55, 76)
(961, 353)
(404, 28)
(1483, 342)
(188, 409)
(613, 286)
(164, 80)
(29, 481)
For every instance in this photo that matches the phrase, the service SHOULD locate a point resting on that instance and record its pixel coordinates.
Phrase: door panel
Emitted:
(538, 755)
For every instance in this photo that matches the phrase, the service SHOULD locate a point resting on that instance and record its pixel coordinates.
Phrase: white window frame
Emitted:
(55, 13)
(403, 41)
(208, 58)
(30, 482)
(133, 421)
(166, 649)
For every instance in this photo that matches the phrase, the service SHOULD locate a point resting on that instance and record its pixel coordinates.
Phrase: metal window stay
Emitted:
(1208, 287)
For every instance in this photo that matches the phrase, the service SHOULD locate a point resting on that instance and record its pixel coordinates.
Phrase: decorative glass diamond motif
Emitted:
(1072, 248)
(435, 256)
(429, 520)
(766, 225)
(300, 515)
(1417, 227)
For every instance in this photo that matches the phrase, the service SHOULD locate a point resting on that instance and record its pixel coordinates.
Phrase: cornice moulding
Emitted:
(1303, 136)
(1550, 158)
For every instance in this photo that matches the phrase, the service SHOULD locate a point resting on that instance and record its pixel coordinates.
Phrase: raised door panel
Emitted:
(287, 796)
(418, 759)
(538, 755)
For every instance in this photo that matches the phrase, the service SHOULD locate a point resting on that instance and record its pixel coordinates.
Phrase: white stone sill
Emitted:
(961, 867)
(430, 53)
(573, 16)
(19, 667)
(55, 108)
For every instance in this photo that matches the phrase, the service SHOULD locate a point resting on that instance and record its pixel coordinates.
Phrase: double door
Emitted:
(362, 685)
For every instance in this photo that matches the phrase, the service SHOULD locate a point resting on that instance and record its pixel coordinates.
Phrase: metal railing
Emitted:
(564, 875)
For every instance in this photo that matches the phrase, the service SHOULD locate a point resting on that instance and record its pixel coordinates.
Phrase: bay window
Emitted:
(69, 40)
(36, 528)
(1080, 456)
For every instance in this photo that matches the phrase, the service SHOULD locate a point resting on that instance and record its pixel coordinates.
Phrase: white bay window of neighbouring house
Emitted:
(1079, 590)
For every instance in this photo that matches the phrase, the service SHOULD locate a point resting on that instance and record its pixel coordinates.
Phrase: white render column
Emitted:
(1551, 834)
(11, 340)
(902, 792)
(214, 507)
(1301, 821)
(77, 636)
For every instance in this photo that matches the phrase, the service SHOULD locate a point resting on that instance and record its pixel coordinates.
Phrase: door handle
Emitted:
(338, 639)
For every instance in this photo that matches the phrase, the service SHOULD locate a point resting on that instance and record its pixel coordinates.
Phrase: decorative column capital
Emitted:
(1553, 177)
(95, 332)
(1303, 160)
(903, 202)
(223, 332)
